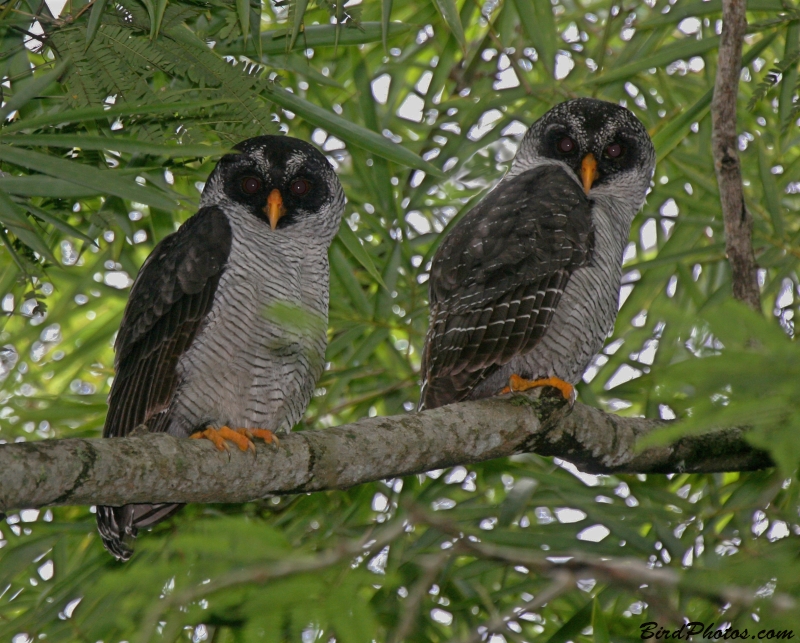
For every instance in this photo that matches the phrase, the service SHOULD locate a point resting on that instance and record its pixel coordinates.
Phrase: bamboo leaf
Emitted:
(41, 185)
(106, 181)
(84, 114)
(386, 16)
(116, 143)
(158, 17)
(31, 89)
(16, 222)
(274, 42)
(95, 16)
(243, 10)
(357, 251)
(770, 190)
(449, 12)
(599, 625)
(299, 12)
(537, 21)
(686, 48)
(57, 223)
(350, 132)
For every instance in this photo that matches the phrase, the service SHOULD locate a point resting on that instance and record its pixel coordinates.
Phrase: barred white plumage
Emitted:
(226, 324)
(527, 283)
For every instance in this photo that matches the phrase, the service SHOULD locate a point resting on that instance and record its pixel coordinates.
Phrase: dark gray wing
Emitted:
(498, 276)
(170, 298)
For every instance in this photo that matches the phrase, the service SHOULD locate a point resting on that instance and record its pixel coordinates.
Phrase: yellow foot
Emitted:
(242, 438)
(517, 384)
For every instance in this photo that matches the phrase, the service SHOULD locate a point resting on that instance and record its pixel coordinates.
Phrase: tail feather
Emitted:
(118, 526)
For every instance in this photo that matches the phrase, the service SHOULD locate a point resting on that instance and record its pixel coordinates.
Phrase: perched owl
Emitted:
(525, 288)
(224, 335)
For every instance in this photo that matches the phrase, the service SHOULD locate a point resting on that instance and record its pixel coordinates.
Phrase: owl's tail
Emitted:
(118, 526)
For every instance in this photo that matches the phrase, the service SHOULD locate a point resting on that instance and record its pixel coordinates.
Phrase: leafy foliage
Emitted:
(114, 116)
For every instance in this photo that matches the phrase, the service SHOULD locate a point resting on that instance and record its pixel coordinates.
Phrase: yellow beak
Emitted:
(274, 208)
(589, 172)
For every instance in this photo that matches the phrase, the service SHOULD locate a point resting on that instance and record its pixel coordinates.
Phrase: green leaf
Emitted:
(538, 23)
(516, 500)
(299, 9)
(357, 251)
(703, 8)
(769, 187)
(449, 12)
(40, 185)
(116, 143)
(348, 131)
(57, 223)
(599, 625)
(386, 16)
(17, 223)
(95, 16)
(157, 18)
(274, 42)
(243, 9)
(106, 181)
(685, 48)
(84, 114)
(31, 89)
(677, 129)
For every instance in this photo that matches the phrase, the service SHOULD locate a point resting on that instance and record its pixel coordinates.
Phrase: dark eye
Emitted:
(300, 187)
(566, 145)
(251, 185)
(614, 150)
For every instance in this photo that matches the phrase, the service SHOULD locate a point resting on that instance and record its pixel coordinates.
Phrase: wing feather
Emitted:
(169, 301)
(497, 278)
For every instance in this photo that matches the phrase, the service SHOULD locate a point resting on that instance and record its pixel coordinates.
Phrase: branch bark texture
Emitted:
(160, 468)
(737, 220)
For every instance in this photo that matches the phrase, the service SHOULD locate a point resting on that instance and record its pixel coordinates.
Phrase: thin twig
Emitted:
(432, 566)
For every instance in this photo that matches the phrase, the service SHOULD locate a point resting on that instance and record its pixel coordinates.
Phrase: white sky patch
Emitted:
(669, 208)
(411, 108)
(380, 88)
(417, 220)
(689, 26)
(624, 373)
(118, 279)
(515, 128)
(506, 79)
(56, 6)
(564, 65)
(441, 616)
(32, 43)
(568, 515)
(571, 33)
(648, 234)
(588, 479)
(594, 534)
(46, 570)
(424, 83)
(484, 125)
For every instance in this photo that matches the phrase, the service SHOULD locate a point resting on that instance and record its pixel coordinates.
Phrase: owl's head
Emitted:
(283, 182)
(603, 145)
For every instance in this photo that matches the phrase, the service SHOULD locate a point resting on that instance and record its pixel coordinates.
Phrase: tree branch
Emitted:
(160, 468)
(738, 222)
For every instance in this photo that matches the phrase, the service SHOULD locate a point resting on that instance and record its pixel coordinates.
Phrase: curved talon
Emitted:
(518, 384)
(265, 434)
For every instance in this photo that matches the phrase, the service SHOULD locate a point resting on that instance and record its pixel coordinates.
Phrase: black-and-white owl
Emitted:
(524, 289)
(225, 330)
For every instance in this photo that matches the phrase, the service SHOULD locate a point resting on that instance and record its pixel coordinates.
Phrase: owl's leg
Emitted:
(517, 384)
(243, 438)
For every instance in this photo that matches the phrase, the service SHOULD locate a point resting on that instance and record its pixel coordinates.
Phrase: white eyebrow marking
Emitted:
(295, 161)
